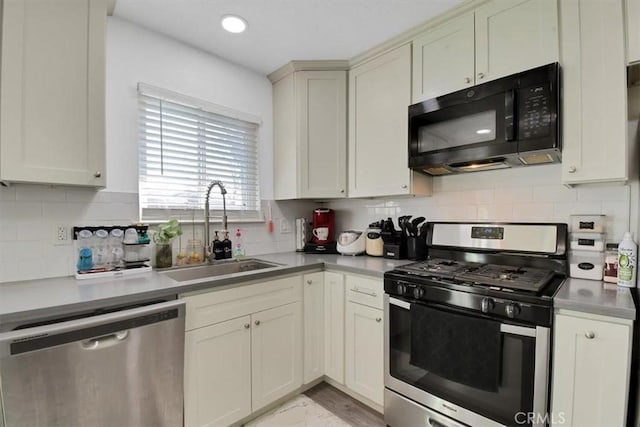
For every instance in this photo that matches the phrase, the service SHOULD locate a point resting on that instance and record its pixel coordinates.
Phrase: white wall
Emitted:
(29, 214)
(137, 55)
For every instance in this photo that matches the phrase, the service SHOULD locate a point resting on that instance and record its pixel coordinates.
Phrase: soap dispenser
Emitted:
(218, 249)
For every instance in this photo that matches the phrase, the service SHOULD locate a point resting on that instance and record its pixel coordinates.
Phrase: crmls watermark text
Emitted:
(523, 418)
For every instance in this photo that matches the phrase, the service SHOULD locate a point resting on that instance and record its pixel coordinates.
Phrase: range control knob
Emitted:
(401, 288)
(418, 292)
(487, 305)
(512, 310)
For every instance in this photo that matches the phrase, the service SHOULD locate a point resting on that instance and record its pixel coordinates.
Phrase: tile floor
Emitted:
(298, 412)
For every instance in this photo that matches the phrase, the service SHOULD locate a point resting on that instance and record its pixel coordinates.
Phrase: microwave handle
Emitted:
(510, 106)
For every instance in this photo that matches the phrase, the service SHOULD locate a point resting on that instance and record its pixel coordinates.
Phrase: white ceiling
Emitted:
(282, 30)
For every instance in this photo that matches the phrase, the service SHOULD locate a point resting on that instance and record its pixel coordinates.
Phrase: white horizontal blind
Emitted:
(183, 148)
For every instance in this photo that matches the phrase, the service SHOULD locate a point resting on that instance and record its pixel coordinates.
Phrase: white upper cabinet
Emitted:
(594, 113)
(379, 95)
(310, 134)
(633, 31)
(52, 86)
(443, 59)
(499, 38)
(515, 35)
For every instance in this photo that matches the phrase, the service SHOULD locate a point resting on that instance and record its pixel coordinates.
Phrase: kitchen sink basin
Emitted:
(222, 268)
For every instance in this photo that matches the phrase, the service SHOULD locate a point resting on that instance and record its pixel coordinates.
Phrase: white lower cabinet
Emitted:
(235, 366)
(364, 351)
(334, 326)
(218, 373)
(591, 368)
(313, 337)
(276, 353)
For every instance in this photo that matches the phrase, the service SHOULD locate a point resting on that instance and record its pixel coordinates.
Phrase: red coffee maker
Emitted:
(323, 232)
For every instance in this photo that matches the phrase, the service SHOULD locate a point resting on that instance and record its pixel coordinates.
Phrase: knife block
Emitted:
(395, 244)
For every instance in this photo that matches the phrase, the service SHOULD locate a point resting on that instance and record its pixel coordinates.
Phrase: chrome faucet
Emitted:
(208, 253)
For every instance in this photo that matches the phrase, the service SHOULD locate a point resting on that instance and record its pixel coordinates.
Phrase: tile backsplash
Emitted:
(30, 215)
(526, 194)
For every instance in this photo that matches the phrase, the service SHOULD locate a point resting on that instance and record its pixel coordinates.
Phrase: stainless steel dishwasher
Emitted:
(123, 368)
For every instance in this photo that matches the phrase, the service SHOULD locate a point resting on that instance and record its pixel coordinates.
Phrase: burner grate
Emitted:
(508, 277)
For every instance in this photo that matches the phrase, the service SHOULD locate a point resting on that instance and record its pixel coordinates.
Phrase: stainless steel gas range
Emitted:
(468, 331)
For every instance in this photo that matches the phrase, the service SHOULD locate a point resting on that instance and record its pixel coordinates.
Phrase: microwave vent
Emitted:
(437, 170)
(536, 159)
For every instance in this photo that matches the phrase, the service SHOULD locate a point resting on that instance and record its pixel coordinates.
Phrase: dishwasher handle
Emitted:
(105, 341)
(88, 330)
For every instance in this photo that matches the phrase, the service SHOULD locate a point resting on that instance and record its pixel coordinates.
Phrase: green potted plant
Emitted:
(162, 237)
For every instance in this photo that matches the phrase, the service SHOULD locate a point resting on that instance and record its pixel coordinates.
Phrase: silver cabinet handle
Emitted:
(97, 174)
(247, 326)
(481, 75)
(404, 186)
(467, 80)
(257, 323)
(590, 335)
(342, 191)
(362, 291)
(378, 319)
(309, 282)
(572, 169)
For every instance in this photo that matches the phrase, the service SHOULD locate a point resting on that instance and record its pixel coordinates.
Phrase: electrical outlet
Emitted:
(285, 226)
(62, 233)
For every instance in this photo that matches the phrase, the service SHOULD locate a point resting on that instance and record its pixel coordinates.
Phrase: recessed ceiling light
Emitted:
(483, 131)
(234, 23)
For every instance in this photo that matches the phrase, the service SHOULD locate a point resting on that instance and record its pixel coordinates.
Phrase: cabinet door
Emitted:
(334, 326)
(276, 353)
(443, 59)
(52, 92)
(322, 133)
(513, 36)
(313, 326)
(633, 31)
(364, 351)
(590, 371)
(594, 109)
(379, 95)
(217, 380)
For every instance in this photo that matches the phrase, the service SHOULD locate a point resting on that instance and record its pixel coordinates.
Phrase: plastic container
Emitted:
(587, 242)
(627, 261)
(586, 265)
(611, 263)
(587, 223)
(136, 252)
(238, 248)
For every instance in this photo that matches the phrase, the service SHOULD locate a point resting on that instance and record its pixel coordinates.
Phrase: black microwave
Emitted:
(509, 122)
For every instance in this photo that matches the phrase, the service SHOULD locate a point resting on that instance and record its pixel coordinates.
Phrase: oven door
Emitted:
(521, 394)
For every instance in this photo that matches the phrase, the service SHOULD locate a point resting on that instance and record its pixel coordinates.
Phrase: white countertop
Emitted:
(590, 296)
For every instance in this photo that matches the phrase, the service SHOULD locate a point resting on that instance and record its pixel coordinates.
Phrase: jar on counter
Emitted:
(611, 263)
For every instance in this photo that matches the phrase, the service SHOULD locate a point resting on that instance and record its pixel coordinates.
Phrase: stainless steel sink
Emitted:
(222, 268)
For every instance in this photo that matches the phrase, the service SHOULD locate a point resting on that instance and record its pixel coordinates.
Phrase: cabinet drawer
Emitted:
(217, 306)
(365, 291)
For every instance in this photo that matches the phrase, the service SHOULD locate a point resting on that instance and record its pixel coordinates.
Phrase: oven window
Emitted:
(515, 387)
(459, 131)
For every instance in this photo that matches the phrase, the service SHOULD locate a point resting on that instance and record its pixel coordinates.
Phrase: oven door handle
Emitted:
(517, 330)
(399, 303)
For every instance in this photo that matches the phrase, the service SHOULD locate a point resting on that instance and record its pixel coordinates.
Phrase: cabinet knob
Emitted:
(342, 191)
(590, 335)
(572, 169)
(481, 75)
(309, 282)
(404, 186)
(247, 326)
(257, 323)
(467, 80)
(378, 319)
(97, 174)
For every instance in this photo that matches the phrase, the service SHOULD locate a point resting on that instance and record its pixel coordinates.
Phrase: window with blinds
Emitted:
(185, 144)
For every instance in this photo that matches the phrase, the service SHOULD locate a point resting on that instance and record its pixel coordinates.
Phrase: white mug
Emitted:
(321, 233)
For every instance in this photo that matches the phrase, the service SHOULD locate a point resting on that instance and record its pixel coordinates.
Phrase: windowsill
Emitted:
(201, 221)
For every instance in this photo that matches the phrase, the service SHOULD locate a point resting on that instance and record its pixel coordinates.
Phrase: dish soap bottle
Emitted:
(218, 249)
(226, 245)
(238, 249)
(627, 261)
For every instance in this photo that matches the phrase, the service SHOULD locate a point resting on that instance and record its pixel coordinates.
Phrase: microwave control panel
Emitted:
(535, 112)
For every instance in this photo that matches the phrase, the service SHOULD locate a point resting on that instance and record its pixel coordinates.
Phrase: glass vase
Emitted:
(164, 255)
